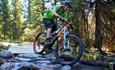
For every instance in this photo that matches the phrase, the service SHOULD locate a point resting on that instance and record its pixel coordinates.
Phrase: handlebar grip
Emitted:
(62, 20)
(65, 22)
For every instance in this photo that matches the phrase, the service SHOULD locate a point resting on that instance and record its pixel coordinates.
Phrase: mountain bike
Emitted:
(68, 47)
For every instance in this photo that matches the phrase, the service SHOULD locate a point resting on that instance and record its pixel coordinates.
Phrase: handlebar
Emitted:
(67, 23)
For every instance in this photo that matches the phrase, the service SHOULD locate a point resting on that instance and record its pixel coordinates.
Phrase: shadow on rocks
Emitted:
(29, 68)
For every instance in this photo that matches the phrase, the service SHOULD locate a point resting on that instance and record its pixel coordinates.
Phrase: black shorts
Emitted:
(50, 24)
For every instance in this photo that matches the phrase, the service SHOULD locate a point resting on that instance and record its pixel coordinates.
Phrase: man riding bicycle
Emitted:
(50, 16)
(68, 47)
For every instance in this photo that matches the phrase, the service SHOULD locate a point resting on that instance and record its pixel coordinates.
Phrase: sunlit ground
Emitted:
(15, 43)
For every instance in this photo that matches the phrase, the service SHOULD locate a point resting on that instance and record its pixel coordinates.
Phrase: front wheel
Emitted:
(38, 46)
(69, 52)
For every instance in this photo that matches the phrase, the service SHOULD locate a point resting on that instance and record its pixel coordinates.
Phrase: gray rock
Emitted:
(67, 67)
(26, 66)
(29, 55)
(43, 62)
(2, 60)
(6, 54)
(23, 59)
(51, 56)
(19, 66)
(4, 47)
(6, 66)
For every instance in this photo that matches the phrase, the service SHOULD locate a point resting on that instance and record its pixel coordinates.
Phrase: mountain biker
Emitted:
(49, 16)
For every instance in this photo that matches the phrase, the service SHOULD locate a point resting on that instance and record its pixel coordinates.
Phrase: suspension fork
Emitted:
(66, 41)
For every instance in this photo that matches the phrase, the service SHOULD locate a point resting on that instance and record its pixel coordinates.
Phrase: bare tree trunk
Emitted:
(98, 32)
(85, 19)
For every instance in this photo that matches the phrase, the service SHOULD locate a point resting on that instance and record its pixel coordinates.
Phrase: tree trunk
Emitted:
(98, 30)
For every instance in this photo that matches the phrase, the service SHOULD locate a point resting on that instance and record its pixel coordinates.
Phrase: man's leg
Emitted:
(48, 32)
(49, 24)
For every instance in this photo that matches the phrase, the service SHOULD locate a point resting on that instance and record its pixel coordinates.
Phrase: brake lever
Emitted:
(71, 26)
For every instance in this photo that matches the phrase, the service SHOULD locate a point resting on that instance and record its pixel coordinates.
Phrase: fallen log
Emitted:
(94, 62)
(110, 65)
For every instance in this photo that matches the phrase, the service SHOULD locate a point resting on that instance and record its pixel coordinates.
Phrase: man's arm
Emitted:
(55, 14)
(56, 8)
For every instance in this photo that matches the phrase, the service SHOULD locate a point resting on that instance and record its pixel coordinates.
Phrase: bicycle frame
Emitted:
(65, 31)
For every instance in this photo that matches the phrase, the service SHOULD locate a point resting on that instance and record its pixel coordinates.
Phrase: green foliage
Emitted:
(27, 35)
(17, 21)
(110, 59)
(113, 47)
(36, 9)
(33, 20)
(0, 26)
(5, 17)
(113, 11)
(90, 56)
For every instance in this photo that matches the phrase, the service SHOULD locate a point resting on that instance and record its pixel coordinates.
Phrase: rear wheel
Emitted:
(38, 43)
(71, 52)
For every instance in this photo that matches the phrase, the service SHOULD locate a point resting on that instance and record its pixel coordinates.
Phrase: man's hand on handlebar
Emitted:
(69, 23)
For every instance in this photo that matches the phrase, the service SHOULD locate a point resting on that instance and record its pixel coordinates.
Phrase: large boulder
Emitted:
(19, 66)
(6, 54)
(3, 47)
(6, 66)
(2, 60)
